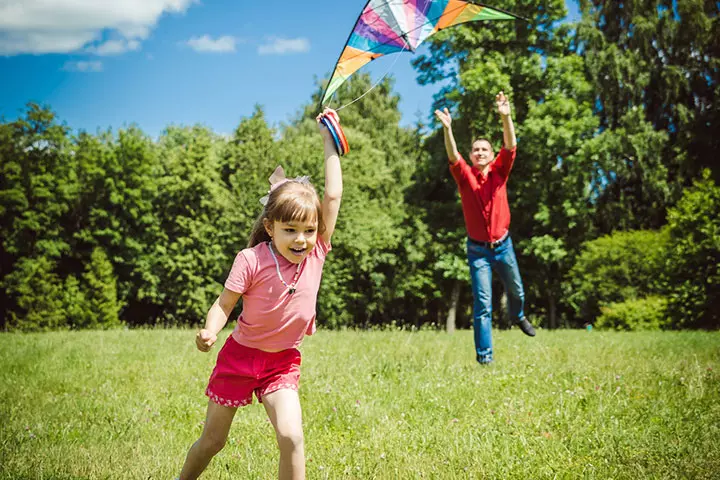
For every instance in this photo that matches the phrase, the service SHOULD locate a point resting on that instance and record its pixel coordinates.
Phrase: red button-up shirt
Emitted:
(484, 197)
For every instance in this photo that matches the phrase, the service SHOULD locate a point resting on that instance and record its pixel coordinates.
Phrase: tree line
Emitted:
(614, 191)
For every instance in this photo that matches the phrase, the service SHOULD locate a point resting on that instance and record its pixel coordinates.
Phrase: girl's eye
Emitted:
(290, 230)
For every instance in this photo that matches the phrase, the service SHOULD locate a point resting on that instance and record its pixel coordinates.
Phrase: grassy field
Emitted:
(377, 405)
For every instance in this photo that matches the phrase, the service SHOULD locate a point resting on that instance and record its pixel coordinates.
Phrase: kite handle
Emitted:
(332, 123)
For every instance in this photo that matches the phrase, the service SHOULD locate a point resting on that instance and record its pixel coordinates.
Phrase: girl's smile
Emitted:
(293, 240)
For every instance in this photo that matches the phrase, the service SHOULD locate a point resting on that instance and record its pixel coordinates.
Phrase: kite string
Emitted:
(376, 83)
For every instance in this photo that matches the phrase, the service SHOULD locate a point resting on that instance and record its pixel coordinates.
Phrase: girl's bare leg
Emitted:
(283, 409)
(211, 441)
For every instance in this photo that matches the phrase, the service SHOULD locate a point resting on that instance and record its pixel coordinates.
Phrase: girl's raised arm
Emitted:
(333, 181)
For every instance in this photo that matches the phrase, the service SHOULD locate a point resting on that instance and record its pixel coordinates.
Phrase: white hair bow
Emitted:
(278, 178)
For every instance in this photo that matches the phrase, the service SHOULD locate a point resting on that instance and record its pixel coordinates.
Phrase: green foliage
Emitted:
(636, 314)
(662, 56)
(37, 187)
(629, 186)
(100, 294)
(615, 268)
(692, 265)
(38, 295)
(198, 233)
(615, 116)
(246, 162)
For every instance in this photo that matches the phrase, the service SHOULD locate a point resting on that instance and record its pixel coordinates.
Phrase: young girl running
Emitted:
(278, 277)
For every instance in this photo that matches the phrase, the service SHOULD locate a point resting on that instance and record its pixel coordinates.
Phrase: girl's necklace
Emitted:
(277, 267)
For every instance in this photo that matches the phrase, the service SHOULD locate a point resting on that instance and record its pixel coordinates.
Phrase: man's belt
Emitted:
(491, 245)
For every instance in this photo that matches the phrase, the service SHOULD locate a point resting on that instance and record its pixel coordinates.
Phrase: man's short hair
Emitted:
(483, 139)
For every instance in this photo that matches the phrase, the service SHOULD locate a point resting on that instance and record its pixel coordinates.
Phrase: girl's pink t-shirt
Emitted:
(272, 319)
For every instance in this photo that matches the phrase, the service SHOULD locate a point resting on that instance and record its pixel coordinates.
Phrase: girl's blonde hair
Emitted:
(293, 201)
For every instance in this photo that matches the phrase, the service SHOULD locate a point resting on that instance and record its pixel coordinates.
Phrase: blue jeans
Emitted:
(482, 261)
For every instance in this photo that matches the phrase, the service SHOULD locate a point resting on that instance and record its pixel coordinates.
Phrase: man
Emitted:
(487, 220)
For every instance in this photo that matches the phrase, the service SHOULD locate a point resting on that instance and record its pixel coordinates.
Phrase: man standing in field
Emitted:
(483, 195)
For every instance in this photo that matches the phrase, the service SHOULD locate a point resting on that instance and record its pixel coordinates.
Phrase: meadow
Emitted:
(376, 405)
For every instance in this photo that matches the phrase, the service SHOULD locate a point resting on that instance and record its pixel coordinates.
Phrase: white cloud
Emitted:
(114, 47)
(82, 66)
(282, 46)
(207, 44)
(63, 26)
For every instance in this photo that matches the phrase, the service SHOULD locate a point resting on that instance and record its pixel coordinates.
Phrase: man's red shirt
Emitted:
(484, 197)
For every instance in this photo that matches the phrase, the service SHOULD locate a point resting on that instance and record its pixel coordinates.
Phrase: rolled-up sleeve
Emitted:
(460, 171)
(504, 161)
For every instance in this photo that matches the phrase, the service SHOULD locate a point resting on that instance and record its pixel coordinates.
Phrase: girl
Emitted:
(278, 276)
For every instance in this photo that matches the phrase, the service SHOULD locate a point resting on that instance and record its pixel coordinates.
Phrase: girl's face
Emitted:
(293, 240)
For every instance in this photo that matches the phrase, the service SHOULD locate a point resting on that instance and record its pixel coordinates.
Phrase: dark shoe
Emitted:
(526, 327)
(484, 359)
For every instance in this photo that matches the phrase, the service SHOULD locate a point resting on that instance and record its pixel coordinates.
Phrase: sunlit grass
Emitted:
(384, 405)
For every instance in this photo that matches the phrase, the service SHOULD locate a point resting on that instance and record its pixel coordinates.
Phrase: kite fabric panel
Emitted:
(393, 26)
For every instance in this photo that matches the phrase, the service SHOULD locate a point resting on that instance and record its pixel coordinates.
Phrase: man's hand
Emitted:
(205, 339)
(444, 117)
(503, 104)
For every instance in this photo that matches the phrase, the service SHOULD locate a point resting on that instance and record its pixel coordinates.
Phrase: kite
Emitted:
(394, 26)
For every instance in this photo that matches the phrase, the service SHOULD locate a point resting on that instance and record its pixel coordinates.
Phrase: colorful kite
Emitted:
(392, 26)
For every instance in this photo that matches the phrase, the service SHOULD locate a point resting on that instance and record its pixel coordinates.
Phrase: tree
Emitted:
(553, 207)
(693, 257)
(246, 162)
(37, 187)
(661, 56)
(624, 266)
(198, 233)
(99, 295)
(37, 294)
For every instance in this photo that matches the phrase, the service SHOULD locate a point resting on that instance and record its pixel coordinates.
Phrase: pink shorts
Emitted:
(242, 370)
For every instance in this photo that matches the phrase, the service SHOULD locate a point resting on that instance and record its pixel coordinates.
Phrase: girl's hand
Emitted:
(205, 339)
(324, 132)
(503, 104)
(444, 117)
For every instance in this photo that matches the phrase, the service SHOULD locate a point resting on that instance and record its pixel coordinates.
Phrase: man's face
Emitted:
(481, 154)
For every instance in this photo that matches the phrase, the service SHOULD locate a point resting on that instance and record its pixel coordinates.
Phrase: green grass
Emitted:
(384, 405)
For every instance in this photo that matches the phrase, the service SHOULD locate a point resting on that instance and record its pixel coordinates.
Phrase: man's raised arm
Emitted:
(508, 128)
(450, 145)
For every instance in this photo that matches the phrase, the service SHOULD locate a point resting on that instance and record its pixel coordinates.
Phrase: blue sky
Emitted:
(109, 63)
